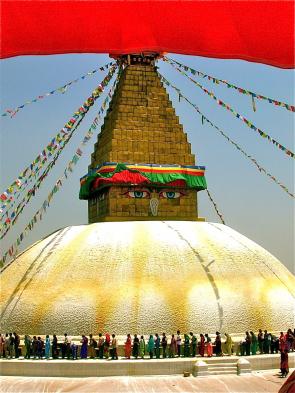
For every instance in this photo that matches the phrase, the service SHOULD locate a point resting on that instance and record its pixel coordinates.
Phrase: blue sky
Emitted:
(249, 201)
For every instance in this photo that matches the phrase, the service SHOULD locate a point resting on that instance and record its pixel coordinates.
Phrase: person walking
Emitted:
(202, 345)
(218, 350)
(47, 347)
(141, 347)
(164, 345)
(266, 342)
(157, 346)
(128, 347)
(151, 346)
(74, 351)
(172, 347)
(282, 341)
(194, 343)
(92, 346)
(260, 341)
(6, 345)
(135, 349)
(274, 344)
(28, 344)
(107, 345)
(186, 351)
(208, 345)
(11, 345)
(16, 344)
(100, 346)
(54, 347)
(289, 339)
(40, 345)
(178, 342)
(2, 341)
(34, 347)
(228, 344)
(64, 346)
(284, 363)
(248, 342)
(253, 343)
(84, 347)
(114, 346)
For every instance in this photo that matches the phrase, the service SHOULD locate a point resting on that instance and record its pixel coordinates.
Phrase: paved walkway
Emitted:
(257, 382)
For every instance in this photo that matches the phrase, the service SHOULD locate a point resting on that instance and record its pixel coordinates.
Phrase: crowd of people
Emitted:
(188, 345)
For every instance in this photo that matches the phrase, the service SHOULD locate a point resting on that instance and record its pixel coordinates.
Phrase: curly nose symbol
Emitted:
(154, 203)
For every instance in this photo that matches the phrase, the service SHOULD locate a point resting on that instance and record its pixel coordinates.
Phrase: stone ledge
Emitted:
(122, 367)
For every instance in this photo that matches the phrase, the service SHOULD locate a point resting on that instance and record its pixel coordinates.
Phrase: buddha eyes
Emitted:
(140, 194)
(169, 194)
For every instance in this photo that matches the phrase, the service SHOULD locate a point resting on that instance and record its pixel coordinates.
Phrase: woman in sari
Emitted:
(107, 343)
(2, 341)
(172, 347)
(218, 344)
(202, 345)
(208, 346)
(128, 347)
(186, 346)
(253, 343)
(84, 342)
(164, 345)
(40, 345)
(289, 339)
(135, 349)
(228, 344)
(282, 342)
(284, 363)
(141, 347)
(47, 347)
(54, 347)
(151, 346)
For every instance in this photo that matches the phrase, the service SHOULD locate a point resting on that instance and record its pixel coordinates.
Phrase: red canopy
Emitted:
(259, 31)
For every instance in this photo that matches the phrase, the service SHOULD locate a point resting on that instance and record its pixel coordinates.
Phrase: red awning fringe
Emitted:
(258, 31)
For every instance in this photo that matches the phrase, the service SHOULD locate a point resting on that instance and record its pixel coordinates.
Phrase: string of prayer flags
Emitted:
(13, 249)
(63, 89)
(240, 90)
(250, 125)
(56, 144)
(249, 157)
(7, 224)
(31, 192)
(215, 207)
(253, 104)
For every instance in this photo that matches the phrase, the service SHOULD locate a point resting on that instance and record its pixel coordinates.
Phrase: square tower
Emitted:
(142, 167)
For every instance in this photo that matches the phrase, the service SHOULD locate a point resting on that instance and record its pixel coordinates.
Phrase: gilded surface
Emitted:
(143, 277)
(141, 125)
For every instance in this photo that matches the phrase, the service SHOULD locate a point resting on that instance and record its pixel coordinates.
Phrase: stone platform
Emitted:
(258, 382)
(122, 367)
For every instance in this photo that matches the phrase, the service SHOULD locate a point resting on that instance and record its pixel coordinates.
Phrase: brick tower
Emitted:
(142, 131)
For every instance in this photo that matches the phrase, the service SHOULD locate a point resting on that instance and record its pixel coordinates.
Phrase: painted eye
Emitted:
(138, 194)
(170, 194)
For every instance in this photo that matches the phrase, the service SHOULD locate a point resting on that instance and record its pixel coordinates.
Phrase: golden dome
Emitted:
(145, 277)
